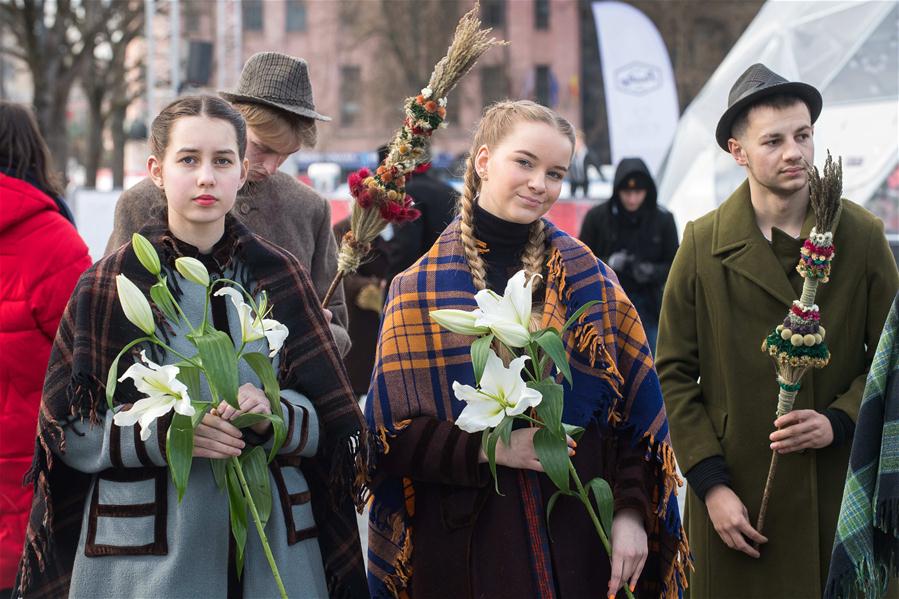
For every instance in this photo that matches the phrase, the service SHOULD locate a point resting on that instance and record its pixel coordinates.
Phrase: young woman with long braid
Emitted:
(437, 526)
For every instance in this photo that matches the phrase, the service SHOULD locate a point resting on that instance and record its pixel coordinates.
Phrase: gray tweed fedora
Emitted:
(276, 80)
(757, 82)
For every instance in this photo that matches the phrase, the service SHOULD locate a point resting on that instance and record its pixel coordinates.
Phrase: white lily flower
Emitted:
(253, 328)
(163, 390)
(193, 270)
(508, 315)
(135, 305)
(459, 321)
(275, 334)
(502, 393)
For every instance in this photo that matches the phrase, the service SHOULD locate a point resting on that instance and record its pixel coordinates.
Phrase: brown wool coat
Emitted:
(726, 291)
(279, 209)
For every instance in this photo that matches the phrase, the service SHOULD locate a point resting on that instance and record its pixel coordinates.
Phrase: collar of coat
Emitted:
(736, 238)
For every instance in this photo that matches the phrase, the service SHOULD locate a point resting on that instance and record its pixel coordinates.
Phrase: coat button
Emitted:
(244, 209)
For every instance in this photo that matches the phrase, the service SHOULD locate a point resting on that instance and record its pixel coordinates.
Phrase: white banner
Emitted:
(640, 92)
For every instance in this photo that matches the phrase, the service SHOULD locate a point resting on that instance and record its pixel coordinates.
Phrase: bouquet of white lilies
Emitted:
(502, 395)
(178, 386)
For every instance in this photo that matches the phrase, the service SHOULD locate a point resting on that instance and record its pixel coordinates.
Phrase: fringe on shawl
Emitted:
(83, 393)
(588, 341)
(870, 577)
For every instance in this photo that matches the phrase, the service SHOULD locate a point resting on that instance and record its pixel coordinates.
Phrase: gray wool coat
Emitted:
(137, 540)
(279, 209)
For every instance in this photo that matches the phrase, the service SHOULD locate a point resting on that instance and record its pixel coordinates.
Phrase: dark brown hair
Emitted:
(777, 101)
(202, 105)
(23, 150)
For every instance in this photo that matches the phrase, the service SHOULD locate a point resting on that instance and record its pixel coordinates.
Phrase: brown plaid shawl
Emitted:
(94, 329)
(615, 384)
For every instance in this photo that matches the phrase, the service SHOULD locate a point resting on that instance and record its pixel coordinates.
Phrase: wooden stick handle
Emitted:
(772, 470)
(337, 279)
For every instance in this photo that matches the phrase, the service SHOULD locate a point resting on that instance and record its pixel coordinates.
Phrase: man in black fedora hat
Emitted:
(274, 96)
(732, 279)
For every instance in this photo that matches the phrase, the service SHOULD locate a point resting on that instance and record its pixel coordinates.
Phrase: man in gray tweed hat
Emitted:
(275, 98)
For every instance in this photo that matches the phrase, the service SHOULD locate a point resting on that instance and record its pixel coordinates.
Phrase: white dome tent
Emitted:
(850, 52)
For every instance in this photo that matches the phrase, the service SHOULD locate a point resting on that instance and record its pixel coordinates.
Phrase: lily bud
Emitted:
(459, 321)
(135, 305)
(145, 253)
(193, 270)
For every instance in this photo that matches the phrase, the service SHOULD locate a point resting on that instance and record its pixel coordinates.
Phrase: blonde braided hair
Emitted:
(498, 120)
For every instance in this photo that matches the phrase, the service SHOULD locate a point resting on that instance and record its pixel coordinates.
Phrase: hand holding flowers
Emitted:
(501, 396)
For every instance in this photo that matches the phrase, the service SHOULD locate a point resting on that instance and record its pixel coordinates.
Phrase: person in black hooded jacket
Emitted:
(636, 237)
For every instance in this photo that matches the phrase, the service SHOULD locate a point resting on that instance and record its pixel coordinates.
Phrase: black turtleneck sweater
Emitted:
(505, 243)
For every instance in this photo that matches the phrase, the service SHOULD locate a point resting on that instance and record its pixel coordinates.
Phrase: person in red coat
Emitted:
(41, 258)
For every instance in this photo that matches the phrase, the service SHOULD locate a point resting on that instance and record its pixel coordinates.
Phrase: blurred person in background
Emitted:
(577, 171)
(274, 97)
(637, 238)
(41, 258)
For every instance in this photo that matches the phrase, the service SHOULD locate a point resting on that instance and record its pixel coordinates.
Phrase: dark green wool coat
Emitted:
(726, 291)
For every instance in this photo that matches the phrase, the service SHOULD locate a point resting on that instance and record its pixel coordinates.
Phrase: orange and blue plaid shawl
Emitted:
(614, 383)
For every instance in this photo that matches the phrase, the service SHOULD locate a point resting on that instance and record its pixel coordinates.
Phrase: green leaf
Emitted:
(490, 439)
(255, 470)
(237, 507)
(602, 493)
(549, 509)
(575, 432)
(179, 448)
(245, 420)
(190, 376)
(220, 362)
(578, 313)
(162, 297)
(553, 455)
(112, 378)
(200, 409)
(219, 472)
(504, 430)
(480, 349)
(550, 407)
(551, 343)
(262, 366)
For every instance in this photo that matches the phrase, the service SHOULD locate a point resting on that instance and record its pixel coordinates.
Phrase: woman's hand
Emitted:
(252, 400)
(629, 550)
(520, 452)
(216, 438)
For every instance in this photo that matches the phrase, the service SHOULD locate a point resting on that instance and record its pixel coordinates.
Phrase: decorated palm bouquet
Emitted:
(380, 197)
(524, 390)
(177, 387)
(798, 343)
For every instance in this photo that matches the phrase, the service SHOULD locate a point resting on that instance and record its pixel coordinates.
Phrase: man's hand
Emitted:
(731, 520)
(329, 316)
(800, 430)
(252, 400)
(371, 297)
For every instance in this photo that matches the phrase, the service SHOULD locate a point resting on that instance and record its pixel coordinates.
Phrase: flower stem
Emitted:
(585, 499)
(259, 528)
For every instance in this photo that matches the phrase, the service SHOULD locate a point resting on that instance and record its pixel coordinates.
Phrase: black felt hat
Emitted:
(758, 82)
